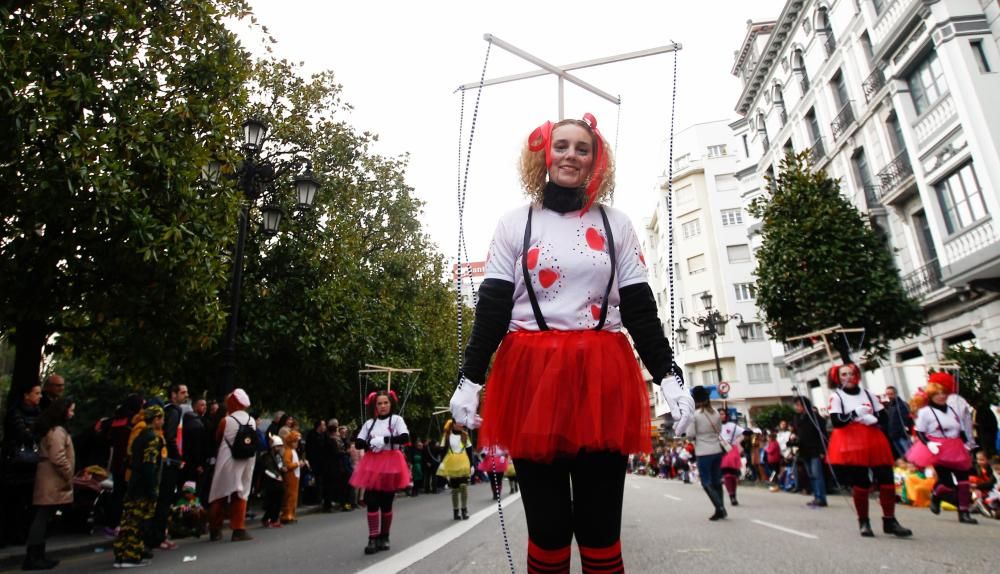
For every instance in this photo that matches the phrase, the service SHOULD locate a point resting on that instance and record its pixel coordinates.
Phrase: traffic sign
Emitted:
(723, 388)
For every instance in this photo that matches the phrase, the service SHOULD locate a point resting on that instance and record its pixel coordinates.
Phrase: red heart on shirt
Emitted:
(547, 277)
(643, 259)
(532, 258)
(595, 240)
(596, 312)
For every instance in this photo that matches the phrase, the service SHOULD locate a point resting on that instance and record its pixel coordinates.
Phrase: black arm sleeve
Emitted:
(840, 420)
(883, 421)
(923, 437)
(638, 310)
(360, 444)
(496, 300)
(400, 439)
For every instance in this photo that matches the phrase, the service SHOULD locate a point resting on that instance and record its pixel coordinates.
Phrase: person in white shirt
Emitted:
(732, 461)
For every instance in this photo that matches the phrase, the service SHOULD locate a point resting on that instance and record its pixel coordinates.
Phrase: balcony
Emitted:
(895, 173)
(817, 151)
(803, 80)
(924, 280)
(873, 83)
(934, 120)
(830, 43)
(889, 18)
(873, 195)
(843, 120)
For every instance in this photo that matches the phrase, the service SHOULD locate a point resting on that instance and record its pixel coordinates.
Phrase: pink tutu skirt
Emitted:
(859, 445)
(493, 464)
(732, 460)
(952, 454)
(386, 471)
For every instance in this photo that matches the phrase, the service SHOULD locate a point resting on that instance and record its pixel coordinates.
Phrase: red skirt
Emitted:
(859, 445)
(952, 454)
(733, 459)
(554, 393)
(386, 471)
(491, 464)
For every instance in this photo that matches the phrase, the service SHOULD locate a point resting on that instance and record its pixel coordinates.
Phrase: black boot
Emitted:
(383, 542)
(965, 518)
(733, 501)
(457, 515)
(372, 547)
(713, 495)
(892, 526)
(865, 526)
(465, 514)
(935, 503)
(34, 559)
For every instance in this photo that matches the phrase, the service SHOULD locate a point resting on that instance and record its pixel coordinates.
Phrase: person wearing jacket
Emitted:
(732, 461)
(707, 426)
(233, 477)
(173, 435)
(272, 461)
(20, 461)
(119, 431)
(53, 479)
(810, 432)
(900, 423)
(146, 454)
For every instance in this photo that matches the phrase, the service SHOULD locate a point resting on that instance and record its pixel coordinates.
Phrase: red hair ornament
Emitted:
(541, 139)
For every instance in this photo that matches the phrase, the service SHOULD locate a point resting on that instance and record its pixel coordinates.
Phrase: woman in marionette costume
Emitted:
(494, 464)
(942, 445)
(565, 395)
(383, 469)
(859, 444)
(455, 467)
(732, 461)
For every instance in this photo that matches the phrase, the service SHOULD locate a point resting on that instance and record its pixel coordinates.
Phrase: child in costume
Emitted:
(273, 482)
(494, 464)
(187, 516)
(293, 468)
(456, 467)
(382, 470)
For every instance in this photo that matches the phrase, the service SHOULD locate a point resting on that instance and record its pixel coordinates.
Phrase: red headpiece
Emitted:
(834, 373)
(371, 397)
(944, 379)
(541, 139)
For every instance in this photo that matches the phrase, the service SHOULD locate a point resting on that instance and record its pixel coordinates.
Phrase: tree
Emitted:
(821, 265)
(767, 417)
(108, 111)
(978, 375)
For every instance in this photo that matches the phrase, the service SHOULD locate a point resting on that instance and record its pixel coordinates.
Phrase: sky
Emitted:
(400, 63)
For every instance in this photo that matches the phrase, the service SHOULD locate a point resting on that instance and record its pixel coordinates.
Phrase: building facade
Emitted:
(893, 98)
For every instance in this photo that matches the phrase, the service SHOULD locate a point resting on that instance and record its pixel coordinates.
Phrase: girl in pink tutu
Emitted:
(383, 469)
(494, 464)
(859, 443)
(942, 445)
(732, 461)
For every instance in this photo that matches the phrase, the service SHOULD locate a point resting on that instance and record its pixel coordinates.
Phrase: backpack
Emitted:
(244, 445)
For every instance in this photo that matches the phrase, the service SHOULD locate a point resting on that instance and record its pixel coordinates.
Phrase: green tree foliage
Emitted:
(768, 417)
(978, 375)
(820, 264)
(108, 110)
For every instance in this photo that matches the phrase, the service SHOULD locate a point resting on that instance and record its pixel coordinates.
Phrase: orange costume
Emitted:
(292, 470)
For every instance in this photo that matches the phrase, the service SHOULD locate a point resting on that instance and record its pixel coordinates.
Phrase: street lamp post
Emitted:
(713, 324)
(256, 177)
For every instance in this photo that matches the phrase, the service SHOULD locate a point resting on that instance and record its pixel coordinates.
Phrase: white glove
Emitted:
(377, 443)
(934, 447)
(465, 402)
(862, 411)
(680, 402)
(869, 420)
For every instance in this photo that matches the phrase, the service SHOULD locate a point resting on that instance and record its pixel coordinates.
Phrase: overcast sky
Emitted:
(401, 61)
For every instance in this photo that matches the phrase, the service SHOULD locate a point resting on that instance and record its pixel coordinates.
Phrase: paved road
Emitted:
(665, 529)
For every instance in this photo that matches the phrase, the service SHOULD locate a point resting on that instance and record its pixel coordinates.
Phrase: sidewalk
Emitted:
(63, 545)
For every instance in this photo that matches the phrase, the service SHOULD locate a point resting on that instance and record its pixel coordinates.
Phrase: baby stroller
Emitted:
(90, 486)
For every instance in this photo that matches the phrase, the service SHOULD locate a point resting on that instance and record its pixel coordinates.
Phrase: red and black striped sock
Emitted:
(860, 502)
(887, 499)
(386, 523)
(964, 496)
(606, 560)
(542, 561)
(372, 524)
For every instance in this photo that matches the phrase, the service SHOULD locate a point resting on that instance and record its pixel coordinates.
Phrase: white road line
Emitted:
(423, 549)
(672, 497)
(788, 530)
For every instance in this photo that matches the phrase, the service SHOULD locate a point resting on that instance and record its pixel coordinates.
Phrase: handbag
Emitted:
(724, 444)
(24, 459)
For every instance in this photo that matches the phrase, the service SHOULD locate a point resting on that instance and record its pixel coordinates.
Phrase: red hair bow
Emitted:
(541, 138)
(371, 397)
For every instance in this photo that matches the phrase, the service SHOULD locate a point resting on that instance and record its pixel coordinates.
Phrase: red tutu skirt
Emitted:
(732, 460)
(386, 471)
(952, 454)
(493, 464)
(555, 393)
(859, 445)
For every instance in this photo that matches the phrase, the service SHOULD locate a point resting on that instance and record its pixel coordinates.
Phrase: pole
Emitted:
(228, 379)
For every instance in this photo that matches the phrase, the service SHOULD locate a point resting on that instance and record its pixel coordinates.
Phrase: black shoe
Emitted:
(966, 518)
(935, 503)
(720, 513)
(382, 543)
(733, 501)
(465, 514)
(372, 547)
(457, 515)
(892, 526)
(866, 528)
(34, 559)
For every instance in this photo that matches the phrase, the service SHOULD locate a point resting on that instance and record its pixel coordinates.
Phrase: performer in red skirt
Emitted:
(732, 461)
(383, 469)
(565, 396)
(859, 443)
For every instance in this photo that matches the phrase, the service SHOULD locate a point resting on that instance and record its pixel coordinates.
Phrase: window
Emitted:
(979, 53)
(717, 150)
(755, 332)
(927, 83)
(813, 124)
(685, 194)
(879, 6)
(758, 373)
(744, 291)
(895, 134)
(738, 253)
(961, 199)
(839, 89)
(732, 216)
(861, 171)
(746, 147)
(696, 264)
(710, 378)
(691, 228)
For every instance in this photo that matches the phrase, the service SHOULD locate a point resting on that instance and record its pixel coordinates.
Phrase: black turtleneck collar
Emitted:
(851, 390)
(562, 199)
(943, 408)
(383, 417)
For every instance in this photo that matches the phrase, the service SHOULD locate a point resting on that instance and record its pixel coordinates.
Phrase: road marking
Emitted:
(425, 547)
(672, 497)
(788, 530)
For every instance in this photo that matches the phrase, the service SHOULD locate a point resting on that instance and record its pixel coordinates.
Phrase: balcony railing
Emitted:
(765, 141)
(924, 280)
(873, 195)
(893, 174)
(844, 119)
(830, 43)
(873, 83)
(783, 115)
(818, 152)
(803, 81)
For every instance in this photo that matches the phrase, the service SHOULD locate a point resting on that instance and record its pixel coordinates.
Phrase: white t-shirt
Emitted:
(844, 403)
(456, 443)
(950, 427)
(391, 426)
(731, 433)
(568, 264)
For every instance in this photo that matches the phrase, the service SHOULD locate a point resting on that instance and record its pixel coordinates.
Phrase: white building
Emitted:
(894, 98)
(711, 255)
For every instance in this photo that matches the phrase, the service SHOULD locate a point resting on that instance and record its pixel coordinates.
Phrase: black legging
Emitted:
(379, 501)
(580, 495)
(858, 475)
(950, 477)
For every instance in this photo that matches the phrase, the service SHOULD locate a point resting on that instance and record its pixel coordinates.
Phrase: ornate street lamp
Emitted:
(254, 131)
(306, 187)
(713, 324)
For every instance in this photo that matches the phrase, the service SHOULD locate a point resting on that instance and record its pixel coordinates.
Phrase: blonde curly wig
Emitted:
(534, 172)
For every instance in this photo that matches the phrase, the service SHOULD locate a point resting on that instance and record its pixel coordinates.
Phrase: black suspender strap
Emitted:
(539, 319)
